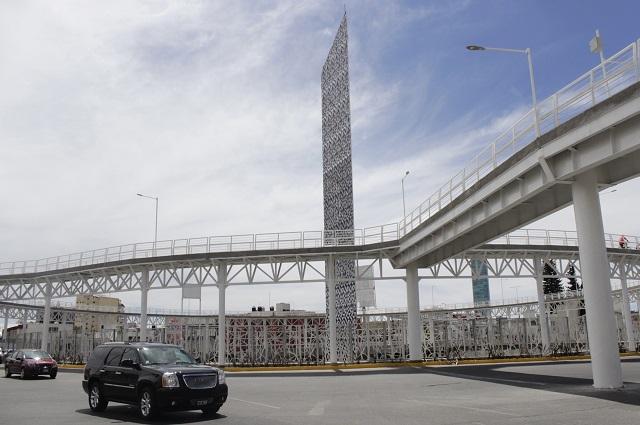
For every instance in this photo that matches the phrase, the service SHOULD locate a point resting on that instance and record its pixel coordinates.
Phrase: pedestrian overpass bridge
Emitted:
(590, 140)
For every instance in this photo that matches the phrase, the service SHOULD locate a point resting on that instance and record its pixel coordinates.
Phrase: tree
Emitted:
(573, 284)
(551, 283)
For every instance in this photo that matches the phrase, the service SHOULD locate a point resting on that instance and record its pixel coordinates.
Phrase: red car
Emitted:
(27, 363)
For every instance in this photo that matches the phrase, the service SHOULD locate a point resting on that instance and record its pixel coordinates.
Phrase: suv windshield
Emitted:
(165, 355)
(37, 355)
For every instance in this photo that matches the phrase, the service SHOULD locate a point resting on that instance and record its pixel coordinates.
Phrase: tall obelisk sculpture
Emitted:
(338, 183)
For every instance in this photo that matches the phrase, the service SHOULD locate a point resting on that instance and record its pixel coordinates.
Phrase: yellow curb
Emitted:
(321, 367)
(411, 364)
(393, 364)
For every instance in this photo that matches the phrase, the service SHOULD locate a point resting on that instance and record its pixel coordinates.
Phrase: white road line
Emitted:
(318, 409)
(457, 406)
(254, 402)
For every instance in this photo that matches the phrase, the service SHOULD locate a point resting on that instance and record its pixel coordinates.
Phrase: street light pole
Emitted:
(155, 237)
(404, 210)
(526, 51)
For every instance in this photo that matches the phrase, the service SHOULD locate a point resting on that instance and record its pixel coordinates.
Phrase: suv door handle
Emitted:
(102, 371)
(118, 372)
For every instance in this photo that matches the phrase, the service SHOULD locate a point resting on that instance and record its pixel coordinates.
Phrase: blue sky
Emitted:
(215, 108)
(445, 84)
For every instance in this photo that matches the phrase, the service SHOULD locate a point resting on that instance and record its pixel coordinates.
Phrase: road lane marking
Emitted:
(254, 402)
(318, 409)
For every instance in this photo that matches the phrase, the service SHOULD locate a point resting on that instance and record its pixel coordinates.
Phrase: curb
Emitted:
(427, 364)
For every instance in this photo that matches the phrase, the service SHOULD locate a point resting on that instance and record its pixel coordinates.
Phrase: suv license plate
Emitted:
(201, 402)
(44, 369)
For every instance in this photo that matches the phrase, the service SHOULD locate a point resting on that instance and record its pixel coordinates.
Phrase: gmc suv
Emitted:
(152, 376)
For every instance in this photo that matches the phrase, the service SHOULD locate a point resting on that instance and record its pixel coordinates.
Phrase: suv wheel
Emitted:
(147, 403)
(7, 372)
(53, 374)
(97, 402)
(23, 374)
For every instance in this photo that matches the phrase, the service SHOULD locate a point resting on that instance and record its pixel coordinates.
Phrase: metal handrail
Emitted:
(601, 82)
(281, 241)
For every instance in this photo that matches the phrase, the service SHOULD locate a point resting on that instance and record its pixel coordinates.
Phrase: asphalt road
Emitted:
(496, 394)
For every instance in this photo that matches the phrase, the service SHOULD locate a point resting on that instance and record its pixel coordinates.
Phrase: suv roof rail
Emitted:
(116, 343)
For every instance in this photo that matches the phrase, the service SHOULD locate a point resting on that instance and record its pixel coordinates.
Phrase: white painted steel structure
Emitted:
(590, 139)
(510, 328)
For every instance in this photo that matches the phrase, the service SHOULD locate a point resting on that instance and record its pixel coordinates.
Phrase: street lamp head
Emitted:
(474, 48)
(407, 173)
(139, 194)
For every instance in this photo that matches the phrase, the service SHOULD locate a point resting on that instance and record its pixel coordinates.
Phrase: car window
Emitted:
(36, 354)
(130, 354)
(97, 357)
(165, 355)
(113, 359)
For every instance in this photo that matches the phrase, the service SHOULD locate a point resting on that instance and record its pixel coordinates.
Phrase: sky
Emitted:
(215, 108)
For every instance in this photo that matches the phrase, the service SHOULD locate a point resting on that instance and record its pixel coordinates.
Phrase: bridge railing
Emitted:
(280, 241)
(562, 238)
(208, 244)
(616, 73)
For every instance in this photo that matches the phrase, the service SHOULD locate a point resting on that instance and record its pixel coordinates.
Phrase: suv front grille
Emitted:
(199, 382)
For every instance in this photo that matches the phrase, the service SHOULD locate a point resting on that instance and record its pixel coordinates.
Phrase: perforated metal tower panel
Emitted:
(338, 182)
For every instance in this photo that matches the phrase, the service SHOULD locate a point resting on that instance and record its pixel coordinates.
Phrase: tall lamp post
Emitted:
(155, 237)
(527, 52)
(404, 209)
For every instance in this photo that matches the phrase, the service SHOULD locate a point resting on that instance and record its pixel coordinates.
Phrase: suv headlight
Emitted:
(170, 380)
(221, 378)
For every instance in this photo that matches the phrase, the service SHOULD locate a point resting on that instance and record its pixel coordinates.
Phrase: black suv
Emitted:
(152, 376)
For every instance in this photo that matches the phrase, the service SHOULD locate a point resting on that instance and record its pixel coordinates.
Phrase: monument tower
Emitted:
(338, 182)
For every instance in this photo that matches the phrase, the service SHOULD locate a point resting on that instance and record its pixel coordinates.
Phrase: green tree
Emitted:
(573, 284)
(551, 283)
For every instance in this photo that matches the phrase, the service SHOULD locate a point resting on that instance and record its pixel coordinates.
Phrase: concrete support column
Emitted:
(414, 324)
(542, 310)
(626, 309)
(330, 272)
(601, 324)
(46, 318)
(222, 328)
(144, 290)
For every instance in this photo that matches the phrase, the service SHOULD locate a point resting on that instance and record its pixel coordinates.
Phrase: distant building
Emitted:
(91, 323)
(280, 307)
(480, 283)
